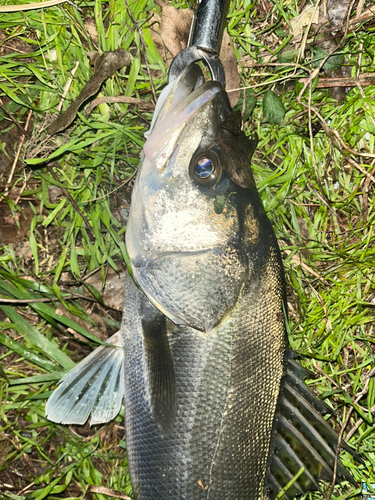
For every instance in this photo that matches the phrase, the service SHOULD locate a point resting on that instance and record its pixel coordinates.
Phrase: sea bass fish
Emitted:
(215, 405)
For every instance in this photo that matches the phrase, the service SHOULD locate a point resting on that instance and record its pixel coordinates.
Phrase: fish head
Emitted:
(184, 231)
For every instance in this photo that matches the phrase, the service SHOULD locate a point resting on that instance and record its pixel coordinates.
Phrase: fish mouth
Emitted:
(180, 101)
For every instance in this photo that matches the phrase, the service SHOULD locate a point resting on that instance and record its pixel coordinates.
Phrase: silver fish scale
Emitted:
(202, 278)
(227, 384)
(257, 367)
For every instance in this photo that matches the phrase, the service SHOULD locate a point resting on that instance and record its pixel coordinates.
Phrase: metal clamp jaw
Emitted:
(208, 32)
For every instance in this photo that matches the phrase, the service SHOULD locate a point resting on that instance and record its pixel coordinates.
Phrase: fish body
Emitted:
(202, 383)
(215, 406)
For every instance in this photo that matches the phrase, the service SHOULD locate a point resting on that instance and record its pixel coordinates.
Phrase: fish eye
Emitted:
(205, 168)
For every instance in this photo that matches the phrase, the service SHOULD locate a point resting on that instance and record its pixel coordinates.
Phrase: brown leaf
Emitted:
(232, 78)
(113, 290)
(104, 67)
(175, 28)
(10, 231)
(309, 15)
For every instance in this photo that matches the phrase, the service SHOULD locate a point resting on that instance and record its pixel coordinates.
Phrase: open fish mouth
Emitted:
(179, 102)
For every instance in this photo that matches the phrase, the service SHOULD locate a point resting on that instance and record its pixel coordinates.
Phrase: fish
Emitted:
(215, 401)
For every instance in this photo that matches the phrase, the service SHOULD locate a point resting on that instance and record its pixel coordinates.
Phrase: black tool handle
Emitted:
(211, 18)
(210, 21)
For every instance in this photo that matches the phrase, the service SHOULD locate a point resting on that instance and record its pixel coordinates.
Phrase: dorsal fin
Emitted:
(160, 370)
(301, 439)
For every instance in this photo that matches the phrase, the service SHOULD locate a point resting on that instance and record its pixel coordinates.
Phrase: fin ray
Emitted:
(95, 385)
(160, 369)
(301, 438)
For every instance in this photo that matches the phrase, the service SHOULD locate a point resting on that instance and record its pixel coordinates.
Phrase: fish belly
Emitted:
(211, 439)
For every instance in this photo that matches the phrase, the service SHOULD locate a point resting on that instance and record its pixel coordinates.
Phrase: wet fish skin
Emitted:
(217, 366)
(215, 404)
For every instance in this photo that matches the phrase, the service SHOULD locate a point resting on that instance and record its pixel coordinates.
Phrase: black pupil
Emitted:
(204, 168)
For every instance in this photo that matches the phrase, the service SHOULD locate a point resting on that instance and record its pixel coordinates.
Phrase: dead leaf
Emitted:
(175, 28)
(143, 105)
(54, 192)
(310, 15)
(104, 67)
(232, 78)
(113, 291)
(170, 34)
(90, 25)
(337, 11)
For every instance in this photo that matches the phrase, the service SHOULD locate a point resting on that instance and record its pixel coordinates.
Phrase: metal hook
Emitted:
(209, 24)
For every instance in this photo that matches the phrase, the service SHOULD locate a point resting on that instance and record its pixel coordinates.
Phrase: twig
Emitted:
(297, 260)
(9, 115)
(109, 492)
(369, 176)
(344, 81)
(33, 6)
(67, 87)
(347, 148)
(356, 426)
(322, 372)
(67, 195)
(9, 181)
(143, 47)
(24, 184)
(149, 106)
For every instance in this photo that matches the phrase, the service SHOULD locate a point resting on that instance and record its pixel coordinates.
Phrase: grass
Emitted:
(318, 193)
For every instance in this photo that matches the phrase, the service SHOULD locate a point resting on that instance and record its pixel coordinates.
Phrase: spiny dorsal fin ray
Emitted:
(317, 433)
(284, 476)
(301, 438)
(95, 385)
(312, 460)
(295, 464)
(320, 406)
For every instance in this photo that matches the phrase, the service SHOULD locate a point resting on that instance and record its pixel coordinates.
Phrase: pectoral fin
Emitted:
(95, 385)
(301, 439)
(160, 370)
